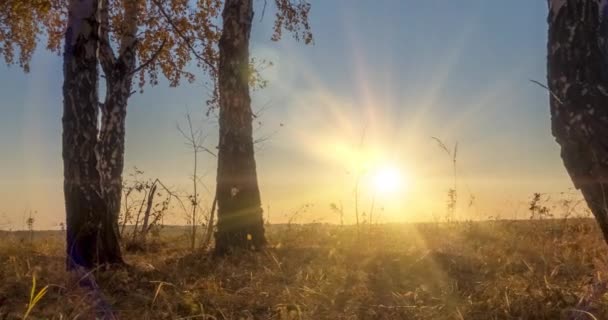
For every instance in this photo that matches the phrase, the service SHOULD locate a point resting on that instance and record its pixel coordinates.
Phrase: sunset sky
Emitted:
(395, 72)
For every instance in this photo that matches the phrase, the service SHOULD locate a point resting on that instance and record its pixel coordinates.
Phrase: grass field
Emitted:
(551, 269)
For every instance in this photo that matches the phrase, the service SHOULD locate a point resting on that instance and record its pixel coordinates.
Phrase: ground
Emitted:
(551, 269)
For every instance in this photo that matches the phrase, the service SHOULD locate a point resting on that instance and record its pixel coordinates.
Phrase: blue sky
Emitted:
(403, 70)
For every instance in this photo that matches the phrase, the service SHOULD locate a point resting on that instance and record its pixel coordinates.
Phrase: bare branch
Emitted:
(172, 194)
(190, 141)
(205, 149)
(266, 137)
(550, 92)
(193, 138)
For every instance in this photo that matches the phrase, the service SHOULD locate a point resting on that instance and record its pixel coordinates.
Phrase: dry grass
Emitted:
(553, 269)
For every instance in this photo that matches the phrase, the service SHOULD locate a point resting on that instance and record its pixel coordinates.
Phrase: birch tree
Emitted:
(164, 37)
(577, 76)
(240, 216)
(91, 236)
(161, 36)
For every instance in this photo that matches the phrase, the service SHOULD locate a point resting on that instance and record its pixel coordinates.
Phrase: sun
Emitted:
(387, 179)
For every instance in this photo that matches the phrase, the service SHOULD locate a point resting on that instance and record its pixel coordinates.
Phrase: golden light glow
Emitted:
(388, 179)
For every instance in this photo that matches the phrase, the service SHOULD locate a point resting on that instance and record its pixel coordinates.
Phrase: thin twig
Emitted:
(192, 142)
(551, 92)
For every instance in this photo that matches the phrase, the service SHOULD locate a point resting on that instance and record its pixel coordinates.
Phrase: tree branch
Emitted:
(550, 92)
(172, 194)
(154, 56)
(184, 38)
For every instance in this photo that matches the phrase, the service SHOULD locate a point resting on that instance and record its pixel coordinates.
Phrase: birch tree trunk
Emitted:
(240, 217)
(91, 237)
(119, 73)
(577, 74)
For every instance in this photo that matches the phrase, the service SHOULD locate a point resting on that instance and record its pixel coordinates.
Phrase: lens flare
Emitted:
(387, 179)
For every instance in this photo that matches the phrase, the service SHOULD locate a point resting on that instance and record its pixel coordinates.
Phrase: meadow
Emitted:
(501, 269)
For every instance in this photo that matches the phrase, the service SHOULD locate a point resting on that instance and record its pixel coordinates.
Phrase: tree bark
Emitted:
(111, 147)
(119, 73)
(91, 237)
(240, 216)
(577, 71)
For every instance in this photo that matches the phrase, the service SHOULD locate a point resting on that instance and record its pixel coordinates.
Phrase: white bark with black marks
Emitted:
(577, 76)
(119, 72)
(91, 237)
